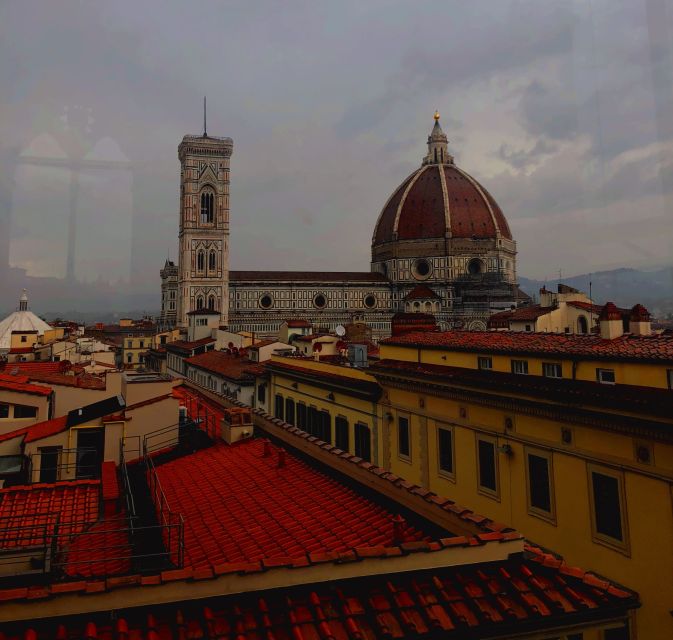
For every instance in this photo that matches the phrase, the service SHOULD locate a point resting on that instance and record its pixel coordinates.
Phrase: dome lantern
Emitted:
(437, 145)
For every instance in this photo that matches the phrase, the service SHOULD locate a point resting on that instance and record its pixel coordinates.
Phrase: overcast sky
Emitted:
(563, 110)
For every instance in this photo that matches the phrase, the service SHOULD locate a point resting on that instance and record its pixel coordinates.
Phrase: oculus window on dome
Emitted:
(421, 269)
(266, 301)
(476, 267)
(370, 301)
(320, 302)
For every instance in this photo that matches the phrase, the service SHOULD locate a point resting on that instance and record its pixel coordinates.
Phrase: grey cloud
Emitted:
(524, 158)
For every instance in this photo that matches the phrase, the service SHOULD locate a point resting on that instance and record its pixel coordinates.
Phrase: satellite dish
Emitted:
(340, 330)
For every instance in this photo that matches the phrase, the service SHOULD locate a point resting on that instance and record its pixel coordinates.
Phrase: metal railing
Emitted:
(26, 548)
(68, 465)
(202, 415)
(172, 524)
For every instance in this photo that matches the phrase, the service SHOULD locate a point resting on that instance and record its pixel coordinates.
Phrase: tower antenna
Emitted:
(205, 129)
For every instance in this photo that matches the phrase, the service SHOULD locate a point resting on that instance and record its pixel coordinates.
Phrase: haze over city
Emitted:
(570, 127)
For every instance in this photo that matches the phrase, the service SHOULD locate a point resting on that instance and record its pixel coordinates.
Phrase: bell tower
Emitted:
(203, 267)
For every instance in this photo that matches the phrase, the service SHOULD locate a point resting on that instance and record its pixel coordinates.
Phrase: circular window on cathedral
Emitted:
(475, 267)
(421, 269)
(266, 301)
(370, 301)
(320, 301)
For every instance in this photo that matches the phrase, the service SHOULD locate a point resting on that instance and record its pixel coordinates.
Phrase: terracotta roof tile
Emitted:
(222, 364)
(229, 489)
(445, 601)
(658, 347)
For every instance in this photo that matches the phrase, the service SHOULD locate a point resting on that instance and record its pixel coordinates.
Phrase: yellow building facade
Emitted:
(580, 467)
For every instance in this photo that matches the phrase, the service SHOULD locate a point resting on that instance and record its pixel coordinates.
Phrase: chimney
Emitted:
(610, 320)
(639, 321)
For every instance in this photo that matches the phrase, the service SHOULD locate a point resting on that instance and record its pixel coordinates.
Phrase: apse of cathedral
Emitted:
(441, 245)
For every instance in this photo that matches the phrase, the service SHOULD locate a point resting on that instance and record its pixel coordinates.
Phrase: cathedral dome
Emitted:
(21, 320)
(439, 200)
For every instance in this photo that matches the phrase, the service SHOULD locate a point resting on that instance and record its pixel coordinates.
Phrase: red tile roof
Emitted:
(46, 428)
(297, 324)
(417, 211)
(221, 364)
(188, 346)
(285, 512)
(21, 385)
(658, 347)
(29, 513)
(421, 292)
(307, 276)
(83, 381)
(27, 368)
(502, 598)
(586, 306)
(21, 350)
(263, 343)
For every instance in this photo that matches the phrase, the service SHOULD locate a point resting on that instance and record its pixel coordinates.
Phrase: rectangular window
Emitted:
(551, 370)
(289, 411)
(487, 466)
(520, 367)
(312, 421)
(49, 463)
(403, 444)
(142, 344)
(621, 633)
(24, 338)
(363, 444)
(540, 496)
(485, 363)
(279, 407)
(129, 344)
(129, 357)
(324, 427)
(4, 410)
(261, 393)
(341, 433)
(608, 513)
(445, 448)
(605, 376)
(301, 415)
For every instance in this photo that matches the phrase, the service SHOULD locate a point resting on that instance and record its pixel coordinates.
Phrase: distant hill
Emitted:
(624, 287)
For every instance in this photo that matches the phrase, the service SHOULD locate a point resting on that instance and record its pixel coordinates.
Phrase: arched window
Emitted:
(211, 303)
(207, 207)
(582, 326)
(200, 261)
(212, 261)
(199, 302)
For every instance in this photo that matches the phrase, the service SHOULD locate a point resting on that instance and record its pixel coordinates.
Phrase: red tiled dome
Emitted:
(436, 199)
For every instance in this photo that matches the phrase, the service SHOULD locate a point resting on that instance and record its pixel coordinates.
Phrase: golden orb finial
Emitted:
(436, 116)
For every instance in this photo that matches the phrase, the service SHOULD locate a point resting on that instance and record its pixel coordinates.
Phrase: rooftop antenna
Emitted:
(205, 129)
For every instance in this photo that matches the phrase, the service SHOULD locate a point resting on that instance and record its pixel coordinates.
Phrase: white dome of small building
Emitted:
(21, 320)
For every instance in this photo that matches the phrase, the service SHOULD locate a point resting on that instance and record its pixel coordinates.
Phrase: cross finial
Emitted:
(205, 129)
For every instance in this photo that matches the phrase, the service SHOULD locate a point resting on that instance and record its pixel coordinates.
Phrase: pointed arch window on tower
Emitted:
(199, 302)
(200, 261)
(212, 261)
(211, 302)
(207, 207)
